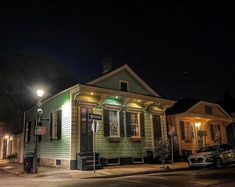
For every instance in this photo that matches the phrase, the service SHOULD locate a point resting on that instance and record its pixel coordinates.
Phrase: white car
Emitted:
(215, 155)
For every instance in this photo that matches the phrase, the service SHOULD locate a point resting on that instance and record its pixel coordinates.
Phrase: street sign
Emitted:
(44, 119)
(40, 130)
(95, 116)
(95, 126)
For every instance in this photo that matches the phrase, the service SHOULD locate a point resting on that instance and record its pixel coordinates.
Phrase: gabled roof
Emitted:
(182, 106)
(129, 70)
(188, 104)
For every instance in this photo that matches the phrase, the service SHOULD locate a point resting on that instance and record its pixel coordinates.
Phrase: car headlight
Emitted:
(210, 159)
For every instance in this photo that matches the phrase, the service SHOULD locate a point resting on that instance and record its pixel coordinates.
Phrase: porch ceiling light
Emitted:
(116, 97)
(6, 137)
(197, 124)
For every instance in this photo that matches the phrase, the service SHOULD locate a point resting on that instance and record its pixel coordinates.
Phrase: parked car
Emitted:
(215, 155)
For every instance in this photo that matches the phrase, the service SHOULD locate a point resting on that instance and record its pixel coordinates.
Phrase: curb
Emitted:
(101, 176)
(137, 173)
(17, 174)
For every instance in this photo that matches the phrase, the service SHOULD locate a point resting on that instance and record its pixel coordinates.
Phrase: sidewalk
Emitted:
(106, 172)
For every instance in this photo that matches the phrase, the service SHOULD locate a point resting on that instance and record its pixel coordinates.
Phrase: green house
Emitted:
(133, 117)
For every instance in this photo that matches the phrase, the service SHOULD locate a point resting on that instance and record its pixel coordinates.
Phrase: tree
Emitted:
(19, 75)
(162, 149)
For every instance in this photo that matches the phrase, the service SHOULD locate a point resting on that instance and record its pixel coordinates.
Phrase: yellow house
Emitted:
(196, 124)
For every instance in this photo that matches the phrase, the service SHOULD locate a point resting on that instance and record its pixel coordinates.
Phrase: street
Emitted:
(200, 177)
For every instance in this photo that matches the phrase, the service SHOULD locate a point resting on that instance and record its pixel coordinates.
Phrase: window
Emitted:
(113, 123)
(215, 132)
(27, 132)
(135, 124)
(55, 124)
(58, 162)
(208, 109)
(124, 86)
(186, 130)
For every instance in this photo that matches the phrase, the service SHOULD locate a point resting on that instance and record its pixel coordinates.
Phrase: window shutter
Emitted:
(191, 131)
(29, 131)
(212, 132)
(51, 124)
(157, 127)
(182, 130)
(106, 123)
(121, 122)
(59, 124)
(142, 129)
(39, 136)
(128, 124)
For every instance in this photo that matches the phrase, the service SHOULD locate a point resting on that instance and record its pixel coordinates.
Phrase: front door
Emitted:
(86, 135)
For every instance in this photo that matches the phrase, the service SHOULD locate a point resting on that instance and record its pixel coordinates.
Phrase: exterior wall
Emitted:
(113, 83)
(125, 147)
(55, 149)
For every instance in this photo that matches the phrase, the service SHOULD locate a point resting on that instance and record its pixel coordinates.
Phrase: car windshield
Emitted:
(209, 148)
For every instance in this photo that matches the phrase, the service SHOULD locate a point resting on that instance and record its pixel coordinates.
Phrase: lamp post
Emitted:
(40, 94)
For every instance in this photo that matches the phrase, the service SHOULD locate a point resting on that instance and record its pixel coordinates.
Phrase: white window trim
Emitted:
(122, 81)
(138, 116)
(118, 118)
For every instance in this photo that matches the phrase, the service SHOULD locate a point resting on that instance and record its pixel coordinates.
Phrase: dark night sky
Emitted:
(179, 49)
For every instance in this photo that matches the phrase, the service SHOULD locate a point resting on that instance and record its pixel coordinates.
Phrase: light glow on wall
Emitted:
(66, 108)
(198, 124)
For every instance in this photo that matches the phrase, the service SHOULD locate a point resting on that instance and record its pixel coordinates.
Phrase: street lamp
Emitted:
(40, 94)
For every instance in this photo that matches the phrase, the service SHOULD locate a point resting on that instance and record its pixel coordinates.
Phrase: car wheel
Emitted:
(218, 163)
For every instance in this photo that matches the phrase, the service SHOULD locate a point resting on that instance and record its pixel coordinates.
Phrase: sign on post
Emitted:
(40, 130)
(95, 128)
(95, 116)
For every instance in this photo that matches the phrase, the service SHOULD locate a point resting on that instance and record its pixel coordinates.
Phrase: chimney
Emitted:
(107, 65)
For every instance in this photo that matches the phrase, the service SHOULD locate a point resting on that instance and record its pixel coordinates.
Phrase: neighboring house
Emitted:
(11, 145)
(133, 117)
(231, 130)
(196, 124)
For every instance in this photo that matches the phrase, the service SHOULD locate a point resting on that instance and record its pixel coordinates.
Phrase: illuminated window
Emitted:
(135, 124)
(215, 132)
(113, 123)
(186, 130)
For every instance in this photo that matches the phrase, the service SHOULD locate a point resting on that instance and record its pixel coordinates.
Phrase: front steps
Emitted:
(85, 161)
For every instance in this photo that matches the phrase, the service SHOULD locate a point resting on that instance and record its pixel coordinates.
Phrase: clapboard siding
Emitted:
(113, 83)
(124, 148)
(56, 149)
(74, 132)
